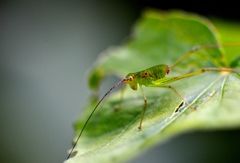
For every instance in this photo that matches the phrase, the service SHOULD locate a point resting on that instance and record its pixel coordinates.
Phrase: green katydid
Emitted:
(156, 76)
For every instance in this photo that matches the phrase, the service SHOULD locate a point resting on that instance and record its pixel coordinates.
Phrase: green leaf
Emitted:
(158, 38)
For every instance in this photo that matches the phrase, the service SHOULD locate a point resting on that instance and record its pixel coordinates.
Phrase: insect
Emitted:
(156, 76)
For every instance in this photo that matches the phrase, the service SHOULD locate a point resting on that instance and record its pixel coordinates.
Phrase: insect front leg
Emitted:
(121, 98)
(144, 108)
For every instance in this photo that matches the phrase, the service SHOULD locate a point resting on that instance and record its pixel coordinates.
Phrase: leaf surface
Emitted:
(158, 38)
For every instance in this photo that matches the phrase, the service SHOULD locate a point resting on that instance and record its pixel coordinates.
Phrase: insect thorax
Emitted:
(148, 76)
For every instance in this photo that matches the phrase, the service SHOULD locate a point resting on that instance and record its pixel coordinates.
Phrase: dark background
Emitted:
(46, 48)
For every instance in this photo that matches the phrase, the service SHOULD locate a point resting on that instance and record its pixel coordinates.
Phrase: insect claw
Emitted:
(194, 108)
(139, 128)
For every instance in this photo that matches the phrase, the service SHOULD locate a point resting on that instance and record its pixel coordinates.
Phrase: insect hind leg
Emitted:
(184, 100)
(196, 48)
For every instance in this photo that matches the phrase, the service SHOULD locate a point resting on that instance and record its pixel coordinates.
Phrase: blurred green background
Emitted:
(46, 48)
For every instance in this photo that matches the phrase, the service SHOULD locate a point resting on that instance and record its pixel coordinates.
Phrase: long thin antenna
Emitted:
(124, 79)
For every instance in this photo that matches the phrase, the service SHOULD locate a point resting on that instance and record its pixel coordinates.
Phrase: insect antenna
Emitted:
(124, 79)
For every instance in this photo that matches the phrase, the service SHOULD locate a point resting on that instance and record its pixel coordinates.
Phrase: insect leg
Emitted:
(121, 97)
(174, 90)
(162, 82)
(144, 108)
(202, 47)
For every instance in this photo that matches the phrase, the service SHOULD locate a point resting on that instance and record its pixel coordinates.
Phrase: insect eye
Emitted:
(130, 78)
(146, 74)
